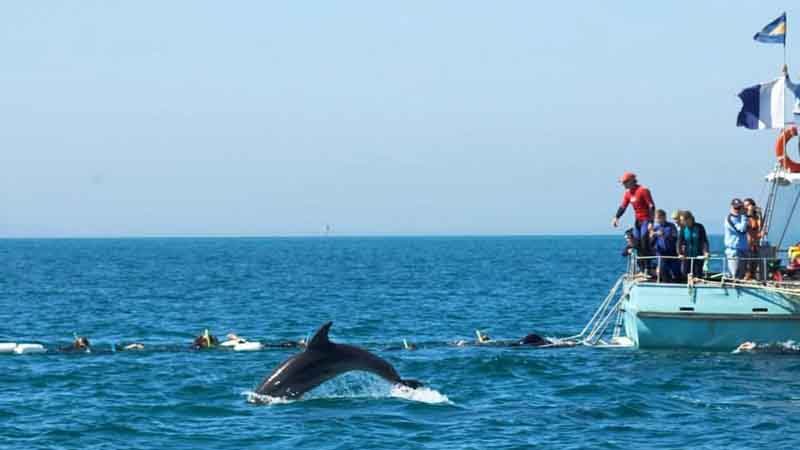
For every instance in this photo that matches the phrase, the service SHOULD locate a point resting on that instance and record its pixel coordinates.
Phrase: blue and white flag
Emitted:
(762, 106)
(774, 32)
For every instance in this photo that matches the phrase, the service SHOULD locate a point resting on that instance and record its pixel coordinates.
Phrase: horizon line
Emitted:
(307, 236)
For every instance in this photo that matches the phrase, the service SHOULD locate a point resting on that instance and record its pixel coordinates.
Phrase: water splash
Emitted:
(357, 385)
(258, 399)
(422, 395)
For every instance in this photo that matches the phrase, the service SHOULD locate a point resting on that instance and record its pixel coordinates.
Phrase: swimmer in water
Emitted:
(533, 340)
(232, 339)
(134, 346)
(408, 346)
(80, 344)
(292, 344)
(205, 340)
(482, 338)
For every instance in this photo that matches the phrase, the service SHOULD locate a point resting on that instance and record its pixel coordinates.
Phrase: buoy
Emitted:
(248, 347)
(7, 347)
(29, 348)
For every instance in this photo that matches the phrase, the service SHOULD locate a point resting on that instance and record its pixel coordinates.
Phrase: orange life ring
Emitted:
(780, 150)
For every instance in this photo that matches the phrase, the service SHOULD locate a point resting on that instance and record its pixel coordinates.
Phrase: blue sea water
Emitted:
(378, 291)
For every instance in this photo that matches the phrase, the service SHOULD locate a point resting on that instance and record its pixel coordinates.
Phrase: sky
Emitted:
(256, 118)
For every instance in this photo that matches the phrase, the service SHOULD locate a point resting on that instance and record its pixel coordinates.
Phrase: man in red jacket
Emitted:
(643, 207)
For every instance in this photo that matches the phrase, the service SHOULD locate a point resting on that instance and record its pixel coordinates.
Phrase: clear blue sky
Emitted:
(262, 118)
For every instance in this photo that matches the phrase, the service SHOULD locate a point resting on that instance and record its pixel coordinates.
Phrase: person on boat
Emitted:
(630, 244)
(640, 198)
(692, 243)
(664, 240)
(794, 258)
(735, 239)
(754, 236)
(677, 219)
(205, 340)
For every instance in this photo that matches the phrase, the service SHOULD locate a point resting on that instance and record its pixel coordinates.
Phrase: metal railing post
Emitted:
(658, 270)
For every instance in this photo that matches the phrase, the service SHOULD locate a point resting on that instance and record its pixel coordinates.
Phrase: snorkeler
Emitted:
(408, 346)
(205, 340)
(291, 344)
(232, 340)
(534, 340)
(133, 346)
(482, 338)
(80, 344)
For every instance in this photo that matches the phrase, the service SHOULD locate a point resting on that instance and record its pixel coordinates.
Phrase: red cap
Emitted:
(627, 176)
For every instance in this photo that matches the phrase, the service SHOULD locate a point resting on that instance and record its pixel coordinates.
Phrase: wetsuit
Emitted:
(693, 242)
(644, 208)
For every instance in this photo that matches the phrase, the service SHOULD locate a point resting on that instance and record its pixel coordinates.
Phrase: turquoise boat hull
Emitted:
(659, 315)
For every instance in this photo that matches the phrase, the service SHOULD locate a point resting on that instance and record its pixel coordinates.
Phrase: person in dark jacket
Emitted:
(664, 240)
(692, 243)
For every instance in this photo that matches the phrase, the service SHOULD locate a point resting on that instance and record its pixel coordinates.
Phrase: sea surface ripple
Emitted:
(378, 291)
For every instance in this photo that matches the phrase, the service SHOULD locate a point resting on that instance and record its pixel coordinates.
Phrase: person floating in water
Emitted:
(290, 344)
(133, 346)
(232, 339)
(408, 346)
(482, 338)
(80, 344)
(534, 340)
(205, 340)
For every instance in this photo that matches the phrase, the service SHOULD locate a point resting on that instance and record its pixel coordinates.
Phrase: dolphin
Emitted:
(321, 361)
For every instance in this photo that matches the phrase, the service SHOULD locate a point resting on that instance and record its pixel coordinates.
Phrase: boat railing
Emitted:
(711, 266)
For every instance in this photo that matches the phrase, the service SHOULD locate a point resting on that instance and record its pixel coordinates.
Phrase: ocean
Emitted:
(431, 291)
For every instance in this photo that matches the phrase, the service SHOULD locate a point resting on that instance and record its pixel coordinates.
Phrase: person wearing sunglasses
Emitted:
(735, 239)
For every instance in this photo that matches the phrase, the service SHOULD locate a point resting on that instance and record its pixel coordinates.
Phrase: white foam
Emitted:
(422, 395)
(355, 385)
(255, 398)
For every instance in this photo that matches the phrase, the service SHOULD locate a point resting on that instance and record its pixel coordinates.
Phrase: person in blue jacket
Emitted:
(664, 240)
(735, 239)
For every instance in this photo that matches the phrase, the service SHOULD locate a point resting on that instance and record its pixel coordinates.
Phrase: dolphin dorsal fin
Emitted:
(320, 339)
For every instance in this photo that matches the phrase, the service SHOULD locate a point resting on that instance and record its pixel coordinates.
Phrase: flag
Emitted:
(762, 106)
(774, 32)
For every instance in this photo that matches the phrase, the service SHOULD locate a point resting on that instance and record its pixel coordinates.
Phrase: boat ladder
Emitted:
(597, 327)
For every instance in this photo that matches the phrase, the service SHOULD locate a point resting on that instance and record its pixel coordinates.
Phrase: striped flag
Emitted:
(774, 32)
(762, 106)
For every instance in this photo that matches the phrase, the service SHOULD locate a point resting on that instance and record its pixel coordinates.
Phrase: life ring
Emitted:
(780, 150)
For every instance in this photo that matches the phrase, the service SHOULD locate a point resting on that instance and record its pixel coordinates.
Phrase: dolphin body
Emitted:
(321, 361)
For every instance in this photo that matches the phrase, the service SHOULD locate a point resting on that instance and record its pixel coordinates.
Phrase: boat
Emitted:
(707, 313)
(714, 311)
